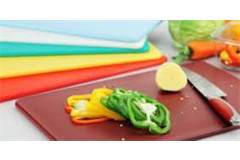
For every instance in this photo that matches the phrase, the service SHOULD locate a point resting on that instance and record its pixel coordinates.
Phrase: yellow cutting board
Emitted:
(20, 66)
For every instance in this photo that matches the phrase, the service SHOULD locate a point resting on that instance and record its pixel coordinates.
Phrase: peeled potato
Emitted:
(170, 77)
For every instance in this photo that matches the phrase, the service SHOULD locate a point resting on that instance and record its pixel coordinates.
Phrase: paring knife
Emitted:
(214, 96)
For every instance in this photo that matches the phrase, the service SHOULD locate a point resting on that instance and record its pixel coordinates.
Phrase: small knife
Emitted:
(214, 96)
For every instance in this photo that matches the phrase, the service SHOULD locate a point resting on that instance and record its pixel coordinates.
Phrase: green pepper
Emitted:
(142, 111)
(157, 121)
(117, 102)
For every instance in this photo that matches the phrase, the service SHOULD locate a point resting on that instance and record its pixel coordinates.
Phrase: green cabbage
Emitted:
(184, 31)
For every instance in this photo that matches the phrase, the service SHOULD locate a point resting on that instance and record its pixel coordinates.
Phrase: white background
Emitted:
(16, 127)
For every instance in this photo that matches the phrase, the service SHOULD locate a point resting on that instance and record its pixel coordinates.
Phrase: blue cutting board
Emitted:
(116, 30)
(8, 49)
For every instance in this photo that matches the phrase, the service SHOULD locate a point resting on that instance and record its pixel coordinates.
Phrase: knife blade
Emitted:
(213, 94)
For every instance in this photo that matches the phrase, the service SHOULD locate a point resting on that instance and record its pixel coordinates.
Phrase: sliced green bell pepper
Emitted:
(143, 111)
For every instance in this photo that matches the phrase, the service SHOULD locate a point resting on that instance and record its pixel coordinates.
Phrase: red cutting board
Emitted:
(192, 118)
(11, 88)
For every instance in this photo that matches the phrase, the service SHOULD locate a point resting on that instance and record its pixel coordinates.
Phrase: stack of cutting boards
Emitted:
(37, 56)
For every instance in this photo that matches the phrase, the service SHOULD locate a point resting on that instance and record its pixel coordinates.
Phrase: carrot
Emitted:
(89, 121)
(204, 49)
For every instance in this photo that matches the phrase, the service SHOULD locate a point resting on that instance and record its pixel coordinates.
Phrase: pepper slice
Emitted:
(97, 106)
(68, 109)
(77, 104)
(143, 111)
(75, 120)
(89, 106)
(157, 120)
(75, 98)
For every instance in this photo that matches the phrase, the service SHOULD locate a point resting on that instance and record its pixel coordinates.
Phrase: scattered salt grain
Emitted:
(195, 108)
(123, 139)
(231, 86)
(181, 112)
(120, 125)
(181, 98)
(186, 96)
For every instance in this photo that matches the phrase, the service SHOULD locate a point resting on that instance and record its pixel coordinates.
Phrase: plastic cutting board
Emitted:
(11, 34)
(115, 30)
(192, 117)
(8, 49)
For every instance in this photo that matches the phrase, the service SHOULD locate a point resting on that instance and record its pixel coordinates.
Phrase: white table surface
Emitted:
(15, 126)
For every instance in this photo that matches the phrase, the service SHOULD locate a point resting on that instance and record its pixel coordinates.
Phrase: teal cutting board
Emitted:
(8, 49)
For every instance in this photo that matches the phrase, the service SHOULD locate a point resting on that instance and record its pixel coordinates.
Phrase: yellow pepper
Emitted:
(81, 111)
(73, 99)
(96, 104)
(224, 56)
(89, 106)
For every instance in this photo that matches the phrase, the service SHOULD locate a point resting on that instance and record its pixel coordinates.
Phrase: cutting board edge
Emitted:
(36, 124)
(227, 129)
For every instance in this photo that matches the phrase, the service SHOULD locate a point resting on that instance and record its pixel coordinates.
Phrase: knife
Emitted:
(214, 96)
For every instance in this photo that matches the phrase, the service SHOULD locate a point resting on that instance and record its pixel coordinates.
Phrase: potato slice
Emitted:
(170, 77)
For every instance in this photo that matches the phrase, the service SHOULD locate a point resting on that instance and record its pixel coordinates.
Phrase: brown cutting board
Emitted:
(192, 118)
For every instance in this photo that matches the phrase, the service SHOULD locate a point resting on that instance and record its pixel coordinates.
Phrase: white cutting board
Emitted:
(113, 30)
(10, 34)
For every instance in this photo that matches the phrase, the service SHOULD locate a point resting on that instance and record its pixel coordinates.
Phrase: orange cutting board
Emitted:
(191, 116)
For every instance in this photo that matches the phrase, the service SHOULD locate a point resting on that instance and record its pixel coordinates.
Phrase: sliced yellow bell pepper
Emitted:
(75, 98)
(89, 106)
(95, 101)
(81, 110)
